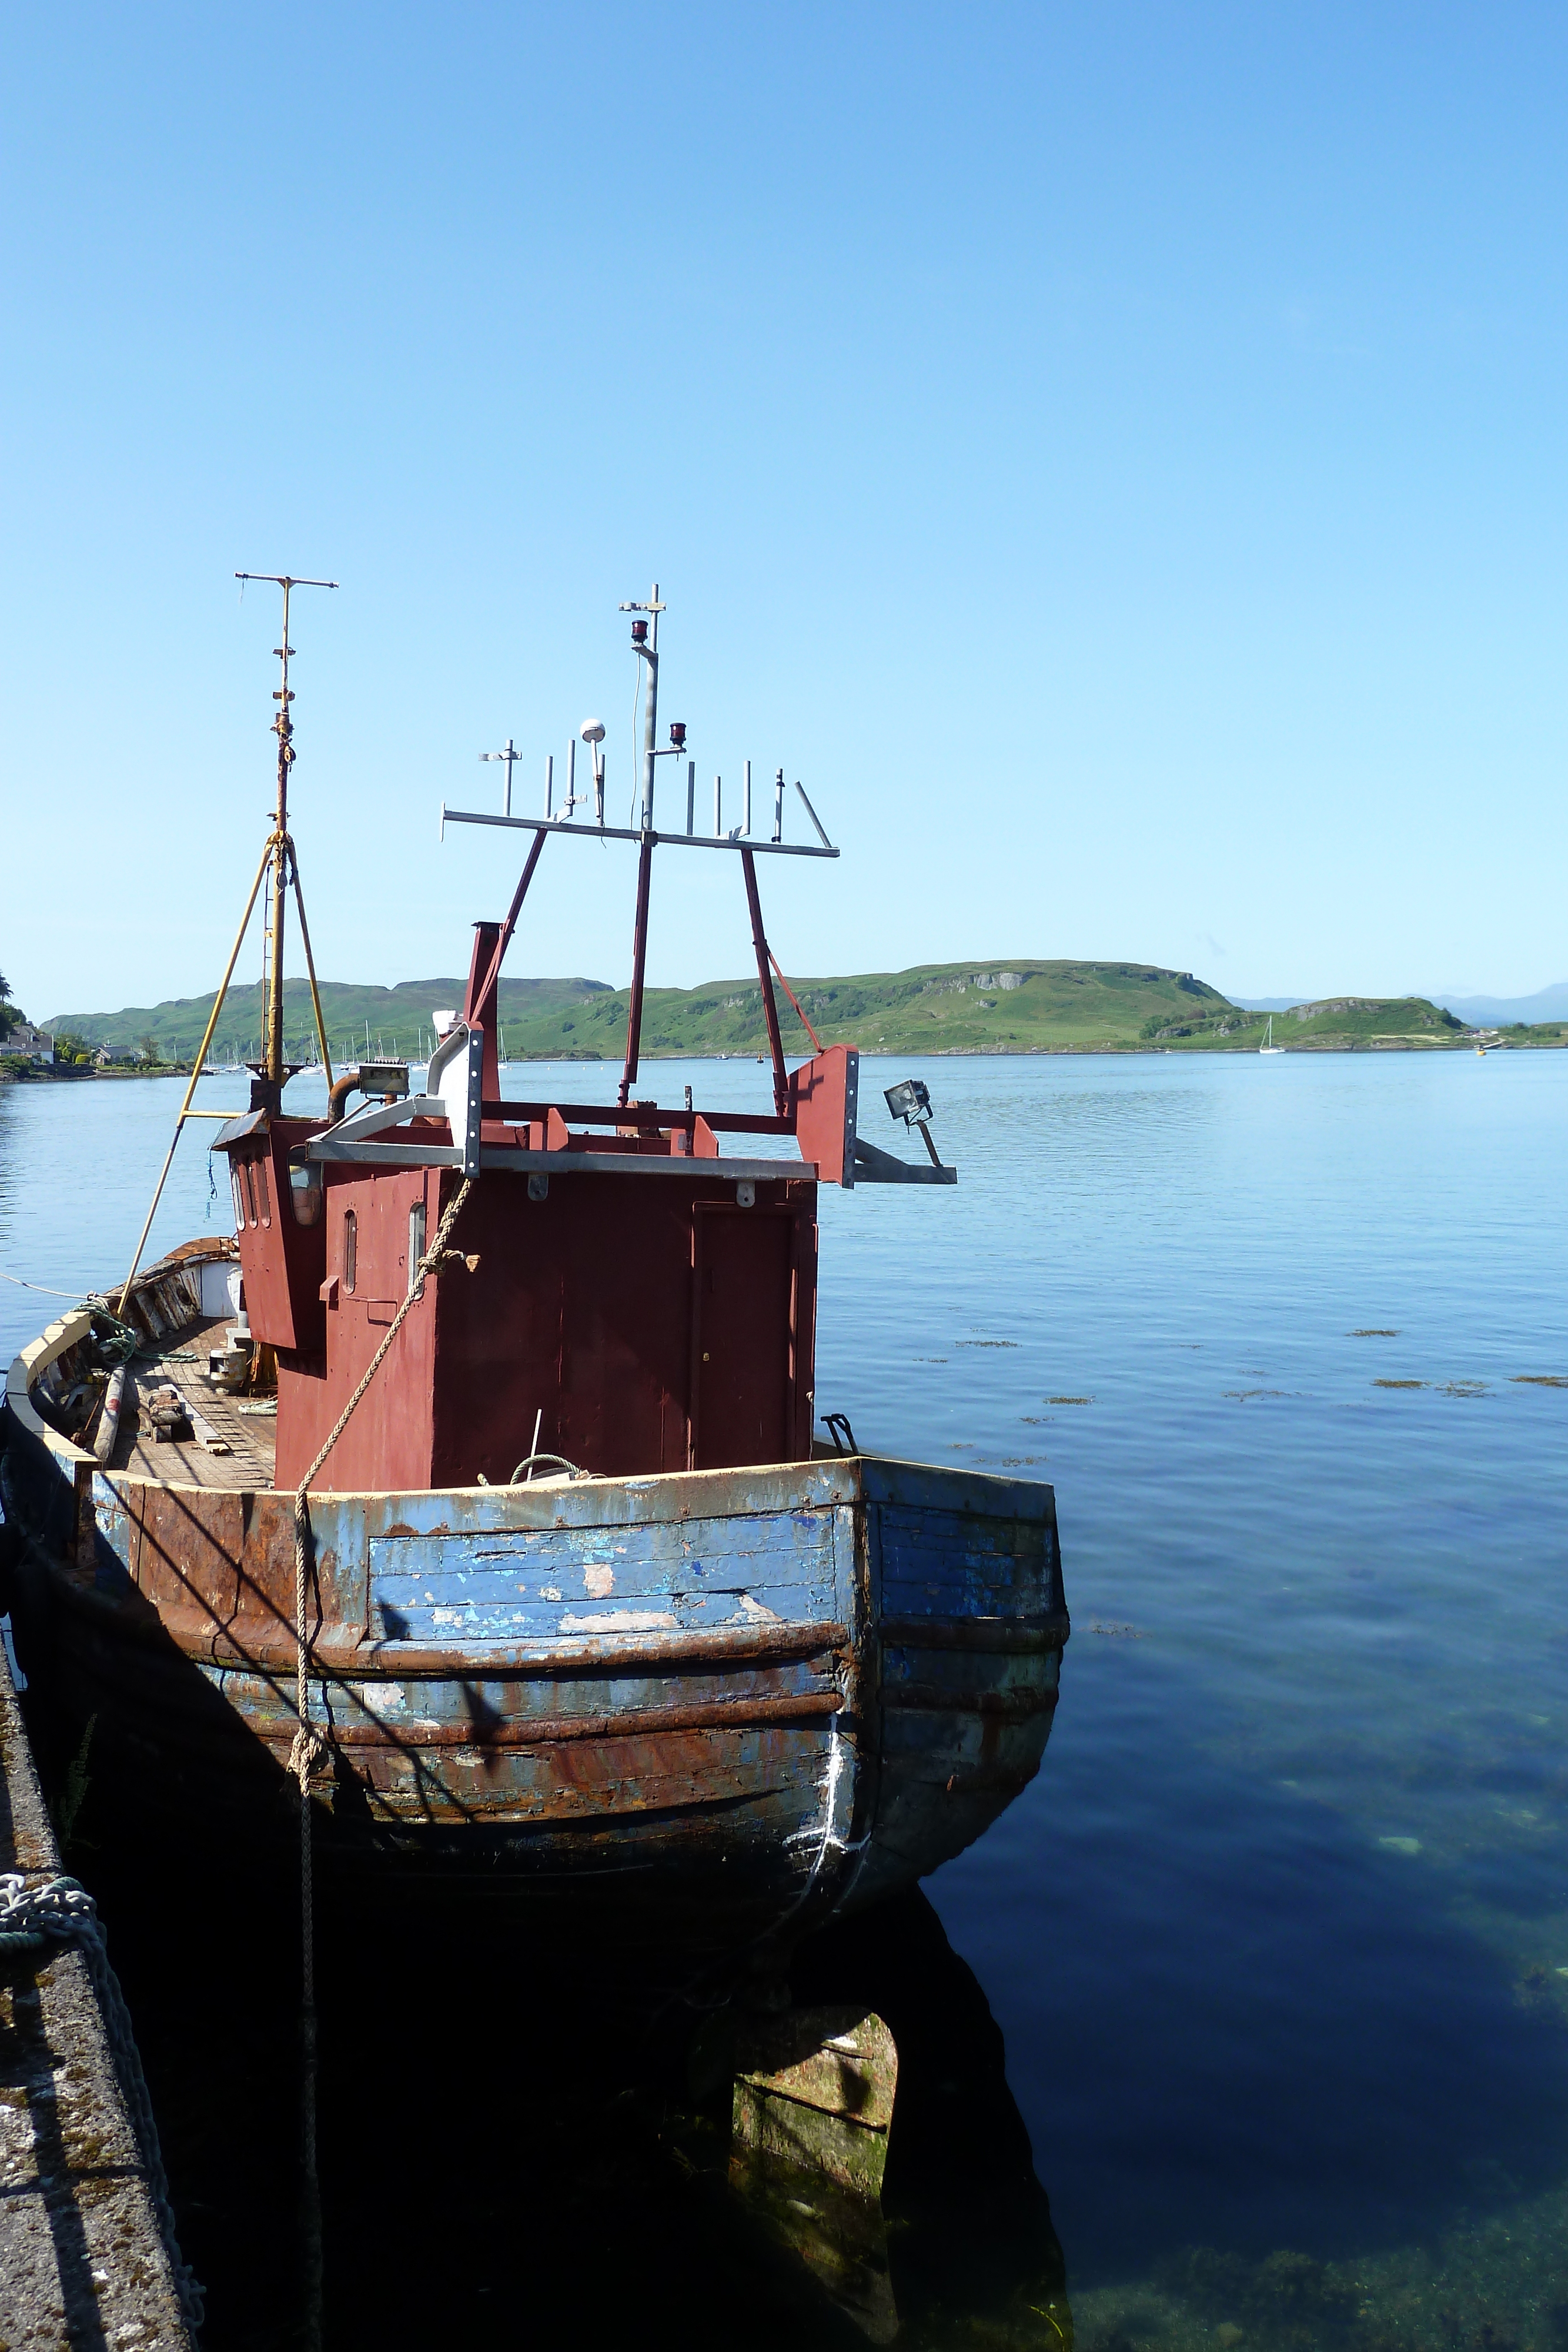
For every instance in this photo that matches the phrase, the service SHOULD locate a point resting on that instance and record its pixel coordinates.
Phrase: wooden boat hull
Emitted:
(772, 1693)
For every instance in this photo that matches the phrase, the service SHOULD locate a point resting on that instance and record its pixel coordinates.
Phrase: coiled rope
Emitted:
(63, 1912)
(309, 1750)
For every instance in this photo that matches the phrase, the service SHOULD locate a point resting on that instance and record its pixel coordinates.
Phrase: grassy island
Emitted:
(1019, 1005)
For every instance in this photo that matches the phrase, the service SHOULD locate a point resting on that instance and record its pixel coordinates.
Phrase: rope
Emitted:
(46, 1288)
(794, 1000)
(528, 1461)
(309, 1750)
(63, 1912)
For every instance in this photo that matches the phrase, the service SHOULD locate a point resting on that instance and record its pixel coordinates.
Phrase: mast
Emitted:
(284, 726)
(267, 1085)
(274, 1070)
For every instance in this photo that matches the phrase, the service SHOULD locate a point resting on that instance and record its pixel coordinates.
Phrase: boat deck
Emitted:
(253, 1437)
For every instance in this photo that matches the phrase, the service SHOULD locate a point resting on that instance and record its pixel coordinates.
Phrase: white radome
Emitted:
(593, 731)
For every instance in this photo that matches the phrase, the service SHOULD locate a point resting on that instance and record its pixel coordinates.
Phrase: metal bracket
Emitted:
(874, 1167)
(454, 1084)
(458, 1064)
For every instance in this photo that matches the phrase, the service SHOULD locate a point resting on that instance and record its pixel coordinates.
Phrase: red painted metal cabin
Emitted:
(640, 1301)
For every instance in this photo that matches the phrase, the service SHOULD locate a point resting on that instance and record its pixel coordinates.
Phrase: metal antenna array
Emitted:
(645, 645)
(511, 757)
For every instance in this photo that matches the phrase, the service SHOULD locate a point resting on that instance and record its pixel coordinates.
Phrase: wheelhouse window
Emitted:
(415, 1239)
(350, 1248)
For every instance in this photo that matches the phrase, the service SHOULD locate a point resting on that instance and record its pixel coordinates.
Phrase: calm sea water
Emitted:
(1279, 1939)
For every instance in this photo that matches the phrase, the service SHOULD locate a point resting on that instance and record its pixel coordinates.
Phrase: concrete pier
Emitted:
(82, 2261)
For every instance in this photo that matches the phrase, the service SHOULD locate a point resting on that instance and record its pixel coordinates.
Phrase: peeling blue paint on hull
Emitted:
(789, 1688)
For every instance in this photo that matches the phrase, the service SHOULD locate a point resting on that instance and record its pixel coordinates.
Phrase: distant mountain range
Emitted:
(1498, 1012)
(1011, 1006)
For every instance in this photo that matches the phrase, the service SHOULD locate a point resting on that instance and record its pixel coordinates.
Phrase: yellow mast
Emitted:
(273, 1071)
(266, 1092)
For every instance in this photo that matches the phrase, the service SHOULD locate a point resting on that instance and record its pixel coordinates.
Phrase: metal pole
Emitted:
(719, 808)
(747, 826)
(691, 796)
(770, 1002)
(510, 755)
(549, 783)
(650, 654)
(639, 963)
(651, 716)
(272, 1054)
(778, 805)
(273, 1057)
(195, 1073)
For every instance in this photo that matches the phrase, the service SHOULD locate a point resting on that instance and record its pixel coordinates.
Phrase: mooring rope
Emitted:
(309, 1749)
(63, 1912)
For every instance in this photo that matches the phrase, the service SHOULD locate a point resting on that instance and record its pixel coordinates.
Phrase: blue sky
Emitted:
(1114, 455)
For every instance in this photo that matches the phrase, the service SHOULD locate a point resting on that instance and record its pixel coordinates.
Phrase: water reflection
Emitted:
(514, 2138)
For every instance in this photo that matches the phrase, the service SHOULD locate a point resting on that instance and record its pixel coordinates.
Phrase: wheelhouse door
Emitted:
(743, 1339)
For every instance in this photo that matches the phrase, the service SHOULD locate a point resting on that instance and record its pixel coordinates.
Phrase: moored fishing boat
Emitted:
(491, 1437)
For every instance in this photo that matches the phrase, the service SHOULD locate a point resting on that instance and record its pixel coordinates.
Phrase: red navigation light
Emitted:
(639, 633)
(678, 733)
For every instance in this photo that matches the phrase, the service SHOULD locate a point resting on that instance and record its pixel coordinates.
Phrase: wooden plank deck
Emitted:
(251, 1436)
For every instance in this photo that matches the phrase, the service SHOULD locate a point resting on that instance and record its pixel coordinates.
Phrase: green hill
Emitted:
(1011, 1007)
(1333, 1024)
(396, 1016)
(1007, 1007)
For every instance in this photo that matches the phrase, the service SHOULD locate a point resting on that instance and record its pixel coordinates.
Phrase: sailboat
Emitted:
(1269, 1046)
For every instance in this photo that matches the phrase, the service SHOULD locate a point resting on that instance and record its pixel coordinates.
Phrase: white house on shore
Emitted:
(32, 1044)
